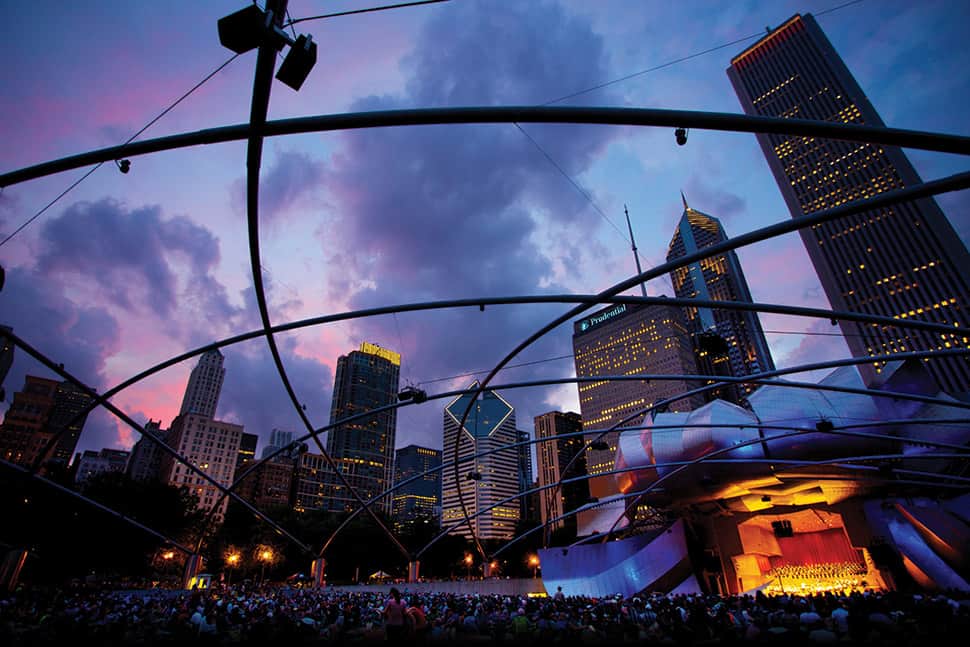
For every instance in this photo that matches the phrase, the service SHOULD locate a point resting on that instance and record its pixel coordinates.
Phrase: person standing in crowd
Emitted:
(417, 623)
(395, 617)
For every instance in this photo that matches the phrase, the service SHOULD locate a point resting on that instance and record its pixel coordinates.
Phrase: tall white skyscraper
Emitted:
(205, 384)
(489, 479)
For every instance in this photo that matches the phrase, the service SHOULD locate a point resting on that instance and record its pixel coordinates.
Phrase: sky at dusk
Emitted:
(129, 269)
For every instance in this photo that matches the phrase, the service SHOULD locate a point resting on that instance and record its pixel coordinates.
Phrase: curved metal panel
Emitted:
(624, 567)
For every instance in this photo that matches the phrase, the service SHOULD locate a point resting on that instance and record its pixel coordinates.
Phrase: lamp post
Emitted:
(232, 561)
(468, 565)
(534, 563)
(265, 555)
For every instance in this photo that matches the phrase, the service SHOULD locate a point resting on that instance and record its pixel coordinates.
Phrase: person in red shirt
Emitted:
(418, 623)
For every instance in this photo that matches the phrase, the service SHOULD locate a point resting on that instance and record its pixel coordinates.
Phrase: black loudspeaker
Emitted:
(782, 528)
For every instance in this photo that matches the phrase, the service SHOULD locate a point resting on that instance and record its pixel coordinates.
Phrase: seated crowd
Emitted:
(268, 615)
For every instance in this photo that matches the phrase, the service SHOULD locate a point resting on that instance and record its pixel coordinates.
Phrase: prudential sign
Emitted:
(586, 324)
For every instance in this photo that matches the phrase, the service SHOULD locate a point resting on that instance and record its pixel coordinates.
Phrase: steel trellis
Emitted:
(802, 311)
(590, 299)
(258, 128)
(889, 198)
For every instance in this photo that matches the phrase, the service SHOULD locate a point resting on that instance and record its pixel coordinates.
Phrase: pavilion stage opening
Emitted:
(805, 551)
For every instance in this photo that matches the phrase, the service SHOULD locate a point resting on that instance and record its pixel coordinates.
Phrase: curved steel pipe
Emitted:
(507, 114)
(799, 311)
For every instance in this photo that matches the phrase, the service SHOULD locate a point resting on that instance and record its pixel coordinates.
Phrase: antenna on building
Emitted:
(633, 246)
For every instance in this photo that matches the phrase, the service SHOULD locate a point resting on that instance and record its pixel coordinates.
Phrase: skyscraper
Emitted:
(626, 340)
(526, 480)
(486, 480)
(420, 499)
(726, 342)
(205, 384)
(363, 450)
(213, 447)
(553, 455)
(146, 456)
(247, 450)
(310, 482)
(903, 261)
(40, 411)
(277, 439)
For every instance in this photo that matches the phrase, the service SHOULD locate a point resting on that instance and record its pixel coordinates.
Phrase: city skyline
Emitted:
(106, 304)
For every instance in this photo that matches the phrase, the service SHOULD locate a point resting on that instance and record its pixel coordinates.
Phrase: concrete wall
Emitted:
(486, 587)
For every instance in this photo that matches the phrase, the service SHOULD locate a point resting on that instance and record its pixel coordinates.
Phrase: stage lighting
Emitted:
(298, 62)
(123, 165)
(681, 135)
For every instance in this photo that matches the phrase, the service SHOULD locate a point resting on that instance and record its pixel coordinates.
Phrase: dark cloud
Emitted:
(291, 178)
(253, 394)
(79, 337)
(133, 257)
(8, 206)
(717, 202)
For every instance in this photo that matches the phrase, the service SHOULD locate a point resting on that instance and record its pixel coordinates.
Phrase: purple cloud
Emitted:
(290, 180)
(132, 256)
(253, 394)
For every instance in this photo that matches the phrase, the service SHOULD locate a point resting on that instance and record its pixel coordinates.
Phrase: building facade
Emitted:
(903, 261)
(420, 499)
(212, 446)
(277, 440)
(6, 358)
(726, 342)
(487, 480)
(623, 340)
(310, 482)
(247, 450)
(270, 485)
(526, 477)
(560, 443)
(204, 386)
(91, 463)
(363, 449)
(42, 411)
(145, 461)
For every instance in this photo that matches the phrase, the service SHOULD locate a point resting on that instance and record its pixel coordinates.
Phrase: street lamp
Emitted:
(265, 556)
(468, 564)
(534, 563)
(232, 561)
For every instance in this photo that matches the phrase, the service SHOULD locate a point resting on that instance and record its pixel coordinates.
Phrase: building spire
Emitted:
(633, 246)
(684, 198)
